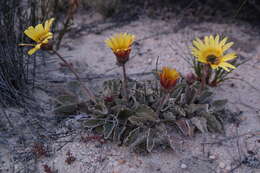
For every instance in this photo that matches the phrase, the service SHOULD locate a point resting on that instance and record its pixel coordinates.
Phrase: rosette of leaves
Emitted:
(137, 123)
(134, 124)
(189, 108)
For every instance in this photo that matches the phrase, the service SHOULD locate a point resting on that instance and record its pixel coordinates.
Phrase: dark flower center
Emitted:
(212, 59)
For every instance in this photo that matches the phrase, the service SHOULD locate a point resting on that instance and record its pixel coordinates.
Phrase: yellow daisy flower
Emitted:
(211, 52)
(121, 46)
(168, 77)
(40, 34)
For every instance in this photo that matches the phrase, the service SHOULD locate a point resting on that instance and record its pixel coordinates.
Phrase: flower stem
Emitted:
(88, 92)
(125, 82)
(162, 102)
(205, 74)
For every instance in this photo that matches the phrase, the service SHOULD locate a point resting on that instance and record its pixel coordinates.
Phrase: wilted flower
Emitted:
(121, 46)
(211, 52)
(168, 78)
(40, 34)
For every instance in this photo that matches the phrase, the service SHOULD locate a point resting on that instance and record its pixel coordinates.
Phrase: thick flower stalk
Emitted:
(121, 45)
(42, 35)
(168, 80)
(212, 50)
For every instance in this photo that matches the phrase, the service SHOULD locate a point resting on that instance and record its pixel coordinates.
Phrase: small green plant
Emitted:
(140, 114)
(138, 123)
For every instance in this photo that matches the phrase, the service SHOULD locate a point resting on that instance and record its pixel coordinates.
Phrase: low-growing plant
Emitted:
(140, 114)
(138, 123)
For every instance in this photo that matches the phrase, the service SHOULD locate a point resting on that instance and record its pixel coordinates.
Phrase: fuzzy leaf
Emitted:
(213, 124)
(143, 114)
(66, 109)
(200, 123)
(83, 107)
(124, 114)
(177, 90)
(185, 127)
(150, 142)
(108, 129)
(219, 105)
(141, 139)
(99, 130)
(197, 108)
(118, 132)
(93, 123)
(190, 94)
(169, 116)
(99, 108)
(205, 97)
(182, 99)
(179, 110)
(66, 99)
(132, 136)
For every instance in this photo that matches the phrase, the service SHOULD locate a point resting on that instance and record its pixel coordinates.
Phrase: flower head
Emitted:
(168, 78)
(121, 46)
(40, 34)
(211, 52)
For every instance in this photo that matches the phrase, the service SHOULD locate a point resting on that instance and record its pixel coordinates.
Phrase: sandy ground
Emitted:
(169, 40)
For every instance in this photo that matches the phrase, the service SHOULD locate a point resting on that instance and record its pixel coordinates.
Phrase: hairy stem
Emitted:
(205, 74)
(125, 82)
(88, 92)
(162, 102)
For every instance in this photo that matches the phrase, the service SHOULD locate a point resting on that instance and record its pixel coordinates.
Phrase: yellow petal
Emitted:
(223, 42)
(197, 44)
(227, 46)
(217, 39)
(202, 59)
(109, 43)
(33, 50)
(39, 29)
(48, 24)
(211, 41)
(30, 32)
(206, 40)
(227, 65)
(229, 56)
(225, 68)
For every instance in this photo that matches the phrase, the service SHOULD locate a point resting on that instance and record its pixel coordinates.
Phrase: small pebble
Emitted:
(228, 168)
(212, 157)
(183, 166)
(222, 165)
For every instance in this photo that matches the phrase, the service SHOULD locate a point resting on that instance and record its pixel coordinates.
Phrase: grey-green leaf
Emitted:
(65, 109)
(200, 123)
(92, 123)
(205, 97)
(143, 114)
(108, 129)
(150, 142)
(219, 105)
(132, 136)
(213, 124)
